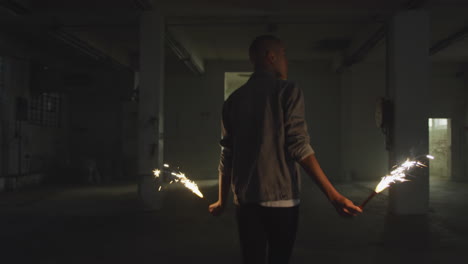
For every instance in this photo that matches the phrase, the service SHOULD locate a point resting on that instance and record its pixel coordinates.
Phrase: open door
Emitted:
(440, 146)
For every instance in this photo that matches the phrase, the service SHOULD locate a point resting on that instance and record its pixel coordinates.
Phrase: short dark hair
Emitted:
(261, 44)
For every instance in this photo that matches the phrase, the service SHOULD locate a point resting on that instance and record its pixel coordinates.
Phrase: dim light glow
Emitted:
(166, 165)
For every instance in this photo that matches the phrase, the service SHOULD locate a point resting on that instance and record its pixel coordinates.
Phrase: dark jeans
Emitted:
(267, 234)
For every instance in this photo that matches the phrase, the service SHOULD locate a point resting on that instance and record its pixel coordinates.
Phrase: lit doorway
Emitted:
(440, 146)
(234, 80)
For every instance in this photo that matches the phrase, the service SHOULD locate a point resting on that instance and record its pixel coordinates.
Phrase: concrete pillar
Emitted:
(150, 106)
(408, 62)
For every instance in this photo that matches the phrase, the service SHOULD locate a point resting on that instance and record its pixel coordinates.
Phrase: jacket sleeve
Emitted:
(225, 160)
(297, 139)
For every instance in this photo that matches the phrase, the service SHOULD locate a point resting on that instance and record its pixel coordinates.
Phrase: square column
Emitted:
(150, 106)
(408, 69)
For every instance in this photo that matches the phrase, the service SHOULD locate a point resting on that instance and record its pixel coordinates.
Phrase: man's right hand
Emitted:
(345, 207)
(216, 209)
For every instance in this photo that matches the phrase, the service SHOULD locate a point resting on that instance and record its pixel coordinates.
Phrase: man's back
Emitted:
(265, 133)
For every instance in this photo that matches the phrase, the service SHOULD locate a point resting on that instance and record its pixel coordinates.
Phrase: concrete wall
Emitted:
(364, 156)
(91, 122)
(363, 145)
(192, 124)
(96, 117)
(321, 88)
(42, 148)
(29, 150)
(193, 105)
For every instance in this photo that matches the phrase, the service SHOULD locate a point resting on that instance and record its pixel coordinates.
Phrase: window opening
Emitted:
(44, 110)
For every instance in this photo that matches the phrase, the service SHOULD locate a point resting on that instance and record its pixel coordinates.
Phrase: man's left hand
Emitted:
(216, 209)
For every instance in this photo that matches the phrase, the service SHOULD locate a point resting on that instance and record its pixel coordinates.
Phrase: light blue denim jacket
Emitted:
(264, 134)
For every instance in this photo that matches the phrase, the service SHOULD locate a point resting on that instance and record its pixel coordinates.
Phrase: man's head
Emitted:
(267, 53)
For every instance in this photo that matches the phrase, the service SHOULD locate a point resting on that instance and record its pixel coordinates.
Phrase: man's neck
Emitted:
(268, 71)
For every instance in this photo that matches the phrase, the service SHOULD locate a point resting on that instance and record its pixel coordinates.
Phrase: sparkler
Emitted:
(176, 176)
(398, 174)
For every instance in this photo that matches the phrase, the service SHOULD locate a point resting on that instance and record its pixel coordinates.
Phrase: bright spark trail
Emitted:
(177, 176)
(396, 175)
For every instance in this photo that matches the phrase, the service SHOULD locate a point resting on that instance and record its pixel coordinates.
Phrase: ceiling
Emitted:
(222, 29)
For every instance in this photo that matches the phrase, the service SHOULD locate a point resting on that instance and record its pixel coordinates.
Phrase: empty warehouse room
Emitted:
(139, 131)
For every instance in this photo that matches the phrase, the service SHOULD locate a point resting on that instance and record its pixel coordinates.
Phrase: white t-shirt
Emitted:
(281, 203)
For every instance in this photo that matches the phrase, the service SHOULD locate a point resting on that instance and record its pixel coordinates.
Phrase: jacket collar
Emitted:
(263, 74)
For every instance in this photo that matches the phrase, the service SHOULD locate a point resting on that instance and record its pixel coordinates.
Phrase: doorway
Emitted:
(234, 80)
(440, 146)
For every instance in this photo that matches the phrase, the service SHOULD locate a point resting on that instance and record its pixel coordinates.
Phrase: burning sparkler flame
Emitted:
(396, 175)
(188, 183)
(156, 173)
(399, 174)
(180, 177)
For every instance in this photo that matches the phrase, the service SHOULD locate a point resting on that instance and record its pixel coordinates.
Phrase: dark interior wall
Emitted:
(193, 106)
(28, 150)
(192, 118)
(321, 89)
(363, 145)
(91, 113)
(96, 114)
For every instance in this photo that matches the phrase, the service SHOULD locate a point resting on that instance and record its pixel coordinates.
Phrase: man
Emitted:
(264, 134)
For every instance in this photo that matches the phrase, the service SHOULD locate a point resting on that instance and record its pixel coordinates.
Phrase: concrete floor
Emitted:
(106, 224)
